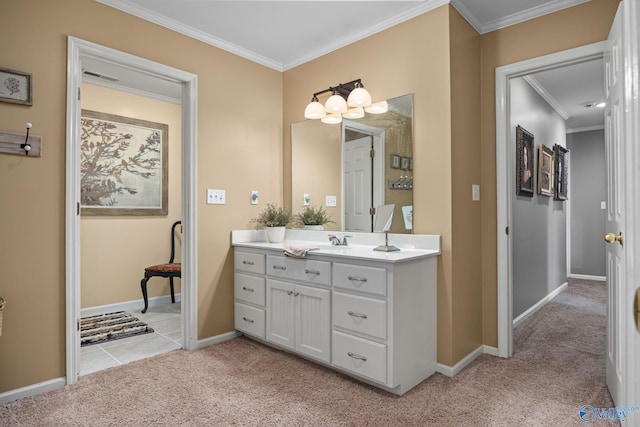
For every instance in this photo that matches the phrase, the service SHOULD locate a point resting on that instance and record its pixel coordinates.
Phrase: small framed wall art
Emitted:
(15, 87)
(561, 186)
(395, 161)
(545, 170)
(524, 162)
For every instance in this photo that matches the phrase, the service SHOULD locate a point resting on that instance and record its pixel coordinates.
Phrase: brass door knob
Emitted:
(610, 238)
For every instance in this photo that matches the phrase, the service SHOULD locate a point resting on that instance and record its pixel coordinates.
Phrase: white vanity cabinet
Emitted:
(367, 314)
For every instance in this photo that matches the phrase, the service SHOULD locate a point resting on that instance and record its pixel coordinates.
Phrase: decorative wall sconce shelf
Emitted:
(13, 143)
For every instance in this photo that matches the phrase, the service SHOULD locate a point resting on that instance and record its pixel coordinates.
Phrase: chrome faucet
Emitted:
(335, 241)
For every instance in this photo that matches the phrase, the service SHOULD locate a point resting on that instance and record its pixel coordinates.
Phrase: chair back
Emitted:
(173, 240)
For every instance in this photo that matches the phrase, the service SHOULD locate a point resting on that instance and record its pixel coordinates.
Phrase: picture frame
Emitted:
(15, 87)
(545, 170)
(525, 170)
(123, 165)
(411, 163)
(395, 161)
(561, 185)
(404, 163)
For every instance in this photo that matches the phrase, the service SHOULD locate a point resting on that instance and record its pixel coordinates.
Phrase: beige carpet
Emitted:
(558, 366)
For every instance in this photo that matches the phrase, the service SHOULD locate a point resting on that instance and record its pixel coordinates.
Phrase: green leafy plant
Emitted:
(273, 216)
(311, 215)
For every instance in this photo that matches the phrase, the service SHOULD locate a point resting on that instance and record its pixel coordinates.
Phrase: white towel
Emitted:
(297, 251)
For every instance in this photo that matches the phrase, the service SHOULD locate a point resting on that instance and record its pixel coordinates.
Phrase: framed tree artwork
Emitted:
(123, 165)
(561, 185)
(524, 162)
(545, 170)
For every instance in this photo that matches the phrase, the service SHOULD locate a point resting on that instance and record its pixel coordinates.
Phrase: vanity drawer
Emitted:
(302, 270)
(250, 320)
(362, 357)
(360, 278)
(249, 262)
(360, 314)
(249, 289)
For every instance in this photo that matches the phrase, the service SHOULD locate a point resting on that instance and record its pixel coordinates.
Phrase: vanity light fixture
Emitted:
(377, 108)
(344, 95)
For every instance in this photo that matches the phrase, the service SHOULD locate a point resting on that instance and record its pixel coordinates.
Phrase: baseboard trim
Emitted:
(537, 306)
(130, 306)
(451, 371)
(216, 339)
(587, 277)
(32, 390)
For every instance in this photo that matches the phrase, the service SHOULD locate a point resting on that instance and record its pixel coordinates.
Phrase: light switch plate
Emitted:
(215, 197)
(331, 201)
(603, 205)
(475, 192)
(306, 200)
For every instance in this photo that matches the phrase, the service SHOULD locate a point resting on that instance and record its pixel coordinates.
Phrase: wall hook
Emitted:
(18, 143)
(26, 146)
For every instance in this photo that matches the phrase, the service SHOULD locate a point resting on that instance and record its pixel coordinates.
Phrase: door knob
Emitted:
(610, 238)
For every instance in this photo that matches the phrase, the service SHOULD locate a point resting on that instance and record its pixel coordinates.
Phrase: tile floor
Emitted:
(165, 319)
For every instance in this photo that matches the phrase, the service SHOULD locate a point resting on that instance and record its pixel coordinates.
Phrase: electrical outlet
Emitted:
(306, 200)
(215, 197)
(254, 197)
(331, 201)
(603, 205)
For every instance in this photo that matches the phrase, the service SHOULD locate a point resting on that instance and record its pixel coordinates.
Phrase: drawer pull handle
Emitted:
(244, 288)
(316, 272)
(248, 320)
(248, 262)
(279, 267)
(295, 294)
(354, 314)
(289, 292)
(356, 356)
(357, 279)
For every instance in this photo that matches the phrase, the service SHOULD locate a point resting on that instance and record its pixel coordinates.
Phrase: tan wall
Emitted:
(465, 171)
(115, 249)
(409, 58)
(317, 167)
(239, 149)
(569, 28)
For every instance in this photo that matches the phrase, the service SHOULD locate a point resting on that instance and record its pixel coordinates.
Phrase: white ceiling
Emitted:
(284, 34)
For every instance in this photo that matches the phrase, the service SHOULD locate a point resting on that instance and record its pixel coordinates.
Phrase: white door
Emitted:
(280, 313)
(621, 139)
(313, 322)
(358, 194)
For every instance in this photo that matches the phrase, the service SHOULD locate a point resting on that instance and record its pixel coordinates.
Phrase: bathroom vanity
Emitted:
(369, 314)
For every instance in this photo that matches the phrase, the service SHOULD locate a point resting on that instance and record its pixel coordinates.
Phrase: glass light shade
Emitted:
(314, 110)
(359, 97)
(332, 119)
(377, 108)
(336, 104)
(354, 113)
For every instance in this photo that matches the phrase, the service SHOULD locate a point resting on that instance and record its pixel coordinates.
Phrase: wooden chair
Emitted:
(170, 270)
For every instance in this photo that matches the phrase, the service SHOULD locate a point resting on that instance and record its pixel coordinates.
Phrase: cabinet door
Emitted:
(313, 323)
(280, 313)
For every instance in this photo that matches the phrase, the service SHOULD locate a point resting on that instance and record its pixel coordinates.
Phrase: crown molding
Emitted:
(535, 84)
(147, 15)
(423, 7)
(528, 14)
(585, 129)
(466, 14)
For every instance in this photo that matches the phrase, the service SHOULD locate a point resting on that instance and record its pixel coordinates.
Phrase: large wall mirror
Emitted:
(335, 160)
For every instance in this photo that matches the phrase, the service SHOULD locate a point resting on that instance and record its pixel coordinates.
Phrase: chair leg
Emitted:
(143, 285)
(173, 296)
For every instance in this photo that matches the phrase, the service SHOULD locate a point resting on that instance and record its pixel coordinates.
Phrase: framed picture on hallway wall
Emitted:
(15, 87)
(123, 165)
(524, 162)
(545, 170)
(561, 186)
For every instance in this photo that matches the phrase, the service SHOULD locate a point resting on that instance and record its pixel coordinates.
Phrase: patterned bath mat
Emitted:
(111, 326)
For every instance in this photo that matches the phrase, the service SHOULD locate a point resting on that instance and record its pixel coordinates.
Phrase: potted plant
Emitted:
(274, 219)
(313, 218)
